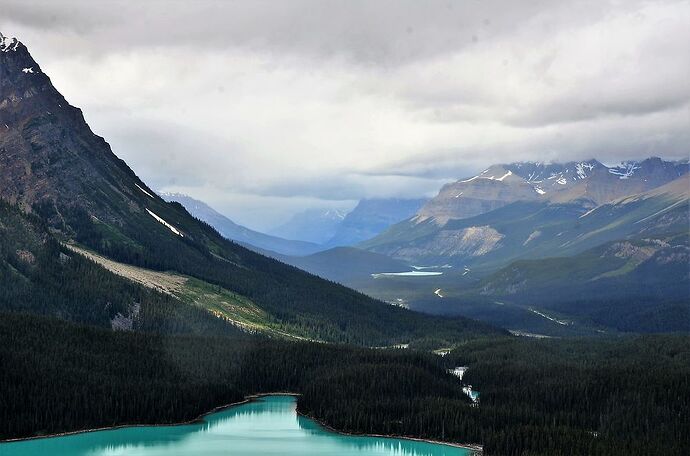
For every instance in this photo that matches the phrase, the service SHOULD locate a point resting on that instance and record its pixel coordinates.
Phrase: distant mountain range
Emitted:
(588, 183)
(552, 236)
(372, 216)
(313, 225)
(69, 196)
(334, 228)
(477, 220)
(600, 245)
(249, 238)
(366, 220)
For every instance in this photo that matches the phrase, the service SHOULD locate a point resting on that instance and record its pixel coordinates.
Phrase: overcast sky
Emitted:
(264, 108)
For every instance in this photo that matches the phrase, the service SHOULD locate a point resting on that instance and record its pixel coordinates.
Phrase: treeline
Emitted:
(58, 376)
(594, 397)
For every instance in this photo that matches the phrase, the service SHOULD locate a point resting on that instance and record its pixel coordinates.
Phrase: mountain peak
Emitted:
(50, 157)
(588, 182)
(8, 44)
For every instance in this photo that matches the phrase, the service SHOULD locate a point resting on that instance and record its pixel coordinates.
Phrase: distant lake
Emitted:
(268, 426)
(406, 274)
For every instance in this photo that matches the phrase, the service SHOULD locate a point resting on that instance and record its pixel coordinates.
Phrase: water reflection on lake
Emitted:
(268, 426)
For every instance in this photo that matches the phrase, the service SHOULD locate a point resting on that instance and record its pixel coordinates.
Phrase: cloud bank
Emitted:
(264, 108)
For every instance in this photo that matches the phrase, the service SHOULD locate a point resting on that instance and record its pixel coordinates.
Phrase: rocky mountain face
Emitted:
(589, 183)
(249, 238)
(592, 183)
(51, 160)
(492, 188)
(536, 228)
(372, 216)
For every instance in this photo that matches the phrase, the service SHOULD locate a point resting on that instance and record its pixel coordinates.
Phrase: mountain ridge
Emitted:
(57, 169)
(317, 226)
(531, 229)
(370, 217)
(588, 182)
(254, 240)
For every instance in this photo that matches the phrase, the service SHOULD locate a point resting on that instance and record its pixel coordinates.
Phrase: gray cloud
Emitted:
(265, 108)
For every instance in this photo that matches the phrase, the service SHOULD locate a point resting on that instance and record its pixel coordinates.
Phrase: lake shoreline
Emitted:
(197, 420)
(477, 449)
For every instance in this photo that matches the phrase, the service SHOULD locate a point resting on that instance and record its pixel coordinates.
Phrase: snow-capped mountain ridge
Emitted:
(8, 44)
(587, 182)
(625, 169)
(538, 172)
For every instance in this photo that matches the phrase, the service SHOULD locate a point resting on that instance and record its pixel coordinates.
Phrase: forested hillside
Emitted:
(624, 396)
(40, 276)
(596, 397)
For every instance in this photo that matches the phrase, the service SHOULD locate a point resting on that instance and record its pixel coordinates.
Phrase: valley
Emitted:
(585, 236)
(532, 308)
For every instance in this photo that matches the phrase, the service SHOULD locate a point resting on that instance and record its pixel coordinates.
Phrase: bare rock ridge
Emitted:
(492, 188)
(50, 157)
(588, 183)
(522, 225)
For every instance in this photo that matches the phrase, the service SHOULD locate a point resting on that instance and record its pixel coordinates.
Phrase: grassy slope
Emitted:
(231, 307)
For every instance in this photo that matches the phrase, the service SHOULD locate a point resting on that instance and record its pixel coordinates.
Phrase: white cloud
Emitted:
(269, 107)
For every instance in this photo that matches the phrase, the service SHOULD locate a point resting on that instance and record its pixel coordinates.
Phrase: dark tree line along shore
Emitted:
(597, 397)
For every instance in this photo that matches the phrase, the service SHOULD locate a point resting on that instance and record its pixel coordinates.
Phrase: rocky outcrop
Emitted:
(491, 189)
(466, 243)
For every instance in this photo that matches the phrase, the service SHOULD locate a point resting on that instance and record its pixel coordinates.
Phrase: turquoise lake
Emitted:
(267, 426)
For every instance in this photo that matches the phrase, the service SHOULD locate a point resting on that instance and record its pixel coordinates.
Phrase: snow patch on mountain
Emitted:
(582, 168)
(625, 169)
(166, 224)
(481, 176)
(335, 214)
(504, 176)
(555, 320)
(147, 193)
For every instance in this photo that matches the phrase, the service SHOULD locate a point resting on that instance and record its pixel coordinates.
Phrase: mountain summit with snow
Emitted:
(588, 183)
(8, 44)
